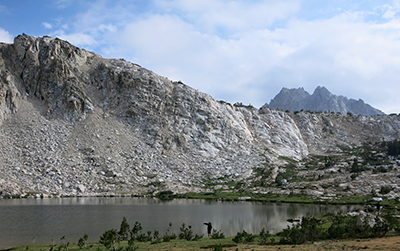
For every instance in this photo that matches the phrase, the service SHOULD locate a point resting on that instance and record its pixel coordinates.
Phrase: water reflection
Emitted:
(49, 219)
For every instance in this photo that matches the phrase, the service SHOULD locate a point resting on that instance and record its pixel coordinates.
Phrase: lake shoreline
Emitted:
(227, 196)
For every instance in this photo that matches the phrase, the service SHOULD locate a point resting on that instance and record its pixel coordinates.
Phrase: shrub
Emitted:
(186, 232)
(136, 230)
(344, 227)
(165, 195)
(82, 241)
(110, 239)
(168, 235)
(355, 168)
(393, 148)
(385, 190)
(131, 245)
(143, 237)
(350, 227)
(124, 230)
(308, 230)
(264, 235)
(244, 237)
(337, 231)
(394, 222)
(156, 237)
(292, 235)
(63, 245)
(217, 234)
(381, 227)
(218, 247)
(197, 237)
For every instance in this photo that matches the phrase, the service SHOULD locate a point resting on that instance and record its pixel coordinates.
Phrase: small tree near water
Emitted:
(264, 237)
(169, 235)
(187, 234)
(83, 241)
(136, 230)
(243, 237)
(110, 239)
(217, 234)
(124, 230)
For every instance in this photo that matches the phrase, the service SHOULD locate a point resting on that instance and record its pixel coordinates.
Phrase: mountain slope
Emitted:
(321, 100)
(74, 123)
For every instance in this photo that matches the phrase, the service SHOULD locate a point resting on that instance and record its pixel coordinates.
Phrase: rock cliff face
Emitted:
(321, 100)
(74, 123)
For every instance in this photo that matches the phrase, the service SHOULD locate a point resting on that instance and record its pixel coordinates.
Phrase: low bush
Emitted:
(342, 227)
(136, 230)
(169, 235)
(309, 229)
(156, 237)
(82, 242)
(110, 239)
(385, 190)
(187, 234)
(264, 237)
(244, 237)
(217, 234)
(144, 237)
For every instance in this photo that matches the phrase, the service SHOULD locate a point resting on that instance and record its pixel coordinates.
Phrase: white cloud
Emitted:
(391, 10)
(107, 28)
(349, 56)
(61, 4)
(234, 51)
(5, 36)
(233, 16)
(78, 39)
(47, 25)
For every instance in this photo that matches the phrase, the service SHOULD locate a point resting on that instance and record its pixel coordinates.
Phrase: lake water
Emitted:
(27, 221)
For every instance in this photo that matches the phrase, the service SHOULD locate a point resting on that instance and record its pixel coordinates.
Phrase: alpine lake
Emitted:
(46, 221)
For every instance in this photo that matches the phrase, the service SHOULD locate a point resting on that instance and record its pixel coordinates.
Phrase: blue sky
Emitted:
(236, 51)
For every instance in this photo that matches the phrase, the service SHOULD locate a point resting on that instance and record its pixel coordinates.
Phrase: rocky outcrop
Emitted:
(320, 101)
(74, 123)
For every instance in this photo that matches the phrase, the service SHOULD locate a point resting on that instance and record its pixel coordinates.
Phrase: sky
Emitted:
(234, 50)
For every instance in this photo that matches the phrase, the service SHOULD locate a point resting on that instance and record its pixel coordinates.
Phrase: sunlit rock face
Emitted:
(320, 101)
(74, 123)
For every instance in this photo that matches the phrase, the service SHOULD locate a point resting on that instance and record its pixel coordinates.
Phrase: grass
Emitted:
(291, 198)
(383, 243)
(204, 243)
(254, 197)
(213, 195)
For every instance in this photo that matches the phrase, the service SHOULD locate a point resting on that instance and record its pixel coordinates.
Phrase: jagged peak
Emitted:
(321, 100)
(321, 90)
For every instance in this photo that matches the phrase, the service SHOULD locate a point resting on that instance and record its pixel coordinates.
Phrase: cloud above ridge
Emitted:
(246, 51)
(5, 36)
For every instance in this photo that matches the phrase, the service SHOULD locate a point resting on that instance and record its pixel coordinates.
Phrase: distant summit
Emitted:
(320, 100)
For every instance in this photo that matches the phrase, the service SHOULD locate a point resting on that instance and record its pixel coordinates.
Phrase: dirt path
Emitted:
(386, 243)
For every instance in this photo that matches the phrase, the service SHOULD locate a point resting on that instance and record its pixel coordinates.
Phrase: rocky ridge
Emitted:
(75, 124)
(320, 101)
